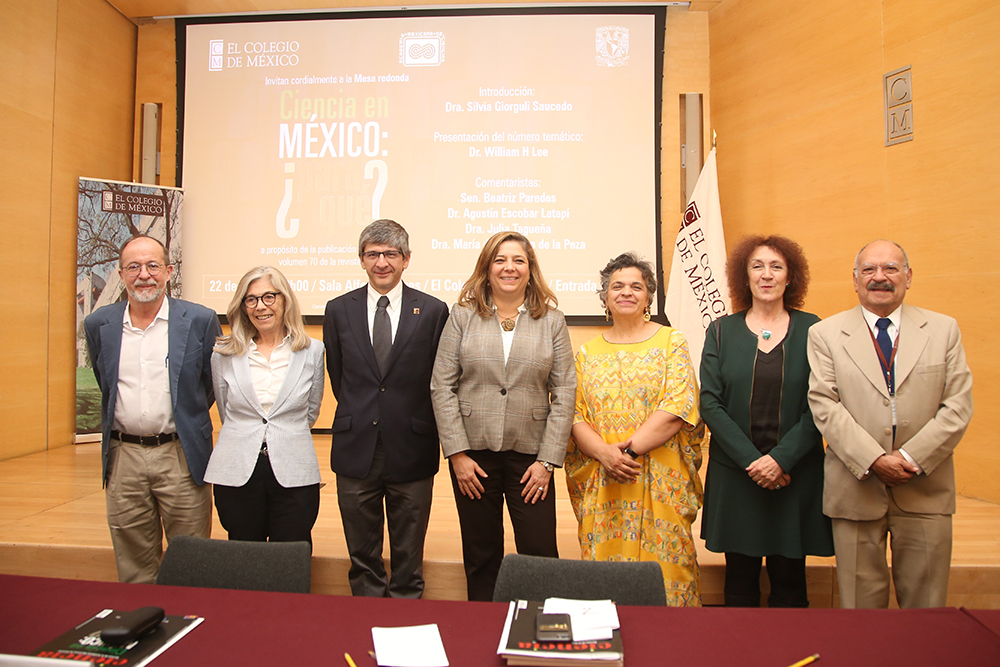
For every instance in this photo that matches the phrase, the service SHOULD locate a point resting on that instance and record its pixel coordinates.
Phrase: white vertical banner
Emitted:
(697, 292)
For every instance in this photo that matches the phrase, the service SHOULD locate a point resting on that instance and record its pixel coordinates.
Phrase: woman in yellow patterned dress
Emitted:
(632, 464)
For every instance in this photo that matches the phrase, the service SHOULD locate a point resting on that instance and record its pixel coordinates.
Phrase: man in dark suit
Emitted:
(381, 341)
(892, 394)
(152, 358)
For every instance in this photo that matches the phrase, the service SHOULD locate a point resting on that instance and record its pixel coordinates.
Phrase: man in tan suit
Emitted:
(892, 395)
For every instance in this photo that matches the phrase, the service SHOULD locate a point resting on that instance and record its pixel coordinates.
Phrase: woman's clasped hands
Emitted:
(618, 465)
(766, 472)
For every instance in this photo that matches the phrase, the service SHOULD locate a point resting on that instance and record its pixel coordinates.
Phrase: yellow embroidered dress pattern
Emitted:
(618, 387)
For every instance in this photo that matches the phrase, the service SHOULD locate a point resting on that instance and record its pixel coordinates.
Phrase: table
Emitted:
(254, 628)
(988, 617)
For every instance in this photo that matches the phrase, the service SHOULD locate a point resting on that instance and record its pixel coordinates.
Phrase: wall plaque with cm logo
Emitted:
(898, 91)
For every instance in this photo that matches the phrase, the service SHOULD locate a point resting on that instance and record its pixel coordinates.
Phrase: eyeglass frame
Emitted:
(261, 298)
(888, 269)
(373, 255)
(133, 269)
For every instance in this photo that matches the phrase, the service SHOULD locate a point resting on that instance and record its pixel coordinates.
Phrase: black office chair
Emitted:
(250, 566)
(536, 578)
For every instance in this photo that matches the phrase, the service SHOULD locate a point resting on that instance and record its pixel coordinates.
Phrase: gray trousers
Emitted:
(407, 509)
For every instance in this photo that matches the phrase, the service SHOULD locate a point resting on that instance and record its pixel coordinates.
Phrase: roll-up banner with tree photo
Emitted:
(109, 212)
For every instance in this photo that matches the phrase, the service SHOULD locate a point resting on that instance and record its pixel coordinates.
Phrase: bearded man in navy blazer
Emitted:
(152, 358)
(381, 341)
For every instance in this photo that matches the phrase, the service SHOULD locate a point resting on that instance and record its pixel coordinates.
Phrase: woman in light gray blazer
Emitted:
(268, 379)
(503, 390)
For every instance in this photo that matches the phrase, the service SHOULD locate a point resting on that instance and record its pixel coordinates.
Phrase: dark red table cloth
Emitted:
(252, 628)
(988, 617)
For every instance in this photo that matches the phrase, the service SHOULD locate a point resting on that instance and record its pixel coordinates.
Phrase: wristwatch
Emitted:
(631, 452)
(548, 466)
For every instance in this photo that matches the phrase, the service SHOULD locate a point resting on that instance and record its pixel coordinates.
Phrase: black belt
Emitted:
(145, 440)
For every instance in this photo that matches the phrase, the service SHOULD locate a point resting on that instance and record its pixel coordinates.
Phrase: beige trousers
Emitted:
(150, 492)
(921, 559)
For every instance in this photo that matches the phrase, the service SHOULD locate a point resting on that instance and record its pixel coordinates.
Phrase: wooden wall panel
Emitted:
(156, 82)
(28, 55)
(26, 95)
(791, 85)
(685, 70)
(797, 100)
(92, 136)
(943, 192)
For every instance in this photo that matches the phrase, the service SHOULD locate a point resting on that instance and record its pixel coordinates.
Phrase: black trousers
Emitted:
(787, 576)
(481, 520)
(262, 509)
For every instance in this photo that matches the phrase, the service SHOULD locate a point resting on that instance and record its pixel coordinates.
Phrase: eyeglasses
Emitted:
(390, 255)
(152, 268)
(889, 270)
(267, 298)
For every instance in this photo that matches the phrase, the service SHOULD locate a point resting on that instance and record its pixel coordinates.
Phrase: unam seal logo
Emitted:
(612, 46)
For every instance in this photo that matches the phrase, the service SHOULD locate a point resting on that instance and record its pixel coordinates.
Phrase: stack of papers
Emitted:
(596, 622)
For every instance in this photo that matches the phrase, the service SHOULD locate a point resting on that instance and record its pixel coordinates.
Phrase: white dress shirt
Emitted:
(895, 317)
(142, 405)
(268, 376)
(395, 302)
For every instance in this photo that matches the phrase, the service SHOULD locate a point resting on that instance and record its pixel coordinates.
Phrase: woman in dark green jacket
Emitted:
(764, 486)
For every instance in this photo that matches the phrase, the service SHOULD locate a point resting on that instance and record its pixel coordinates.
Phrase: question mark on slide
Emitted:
(383, 179)
(289, 231)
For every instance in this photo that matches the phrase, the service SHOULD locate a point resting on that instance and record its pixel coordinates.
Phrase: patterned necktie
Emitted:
(382, 334)
(885, 343)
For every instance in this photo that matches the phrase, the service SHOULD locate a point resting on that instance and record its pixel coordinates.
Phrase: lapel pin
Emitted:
(416, 311)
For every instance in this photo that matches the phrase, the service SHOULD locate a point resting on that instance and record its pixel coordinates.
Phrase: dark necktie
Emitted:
(382, 334)
(885, 343)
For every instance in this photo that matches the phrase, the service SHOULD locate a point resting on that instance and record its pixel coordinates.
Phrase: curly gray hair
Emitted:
(628, 260)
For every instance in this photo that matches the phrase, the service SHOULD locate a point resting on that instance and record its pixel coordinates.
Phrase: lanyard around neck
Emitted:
(886, 364)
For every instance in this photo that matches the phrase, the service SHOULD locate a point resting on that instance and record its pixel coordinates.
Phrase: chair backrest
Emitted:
(251, 566)
(536, 578)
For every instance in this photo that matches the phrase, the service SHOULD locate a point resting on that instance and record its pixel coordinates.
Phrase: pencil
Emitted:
(801, 663)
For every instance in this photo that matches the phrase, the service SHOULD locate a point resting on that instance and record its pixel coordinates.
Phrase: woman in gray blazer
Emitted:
(503, 389)
(268, 380)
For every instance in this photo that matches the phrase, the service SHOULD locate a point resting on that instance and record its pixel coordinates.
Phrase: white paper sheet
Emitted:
(409, 646)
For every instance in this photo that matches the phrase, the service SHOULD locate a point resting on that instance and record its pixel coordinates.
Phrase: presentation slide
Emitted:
(298, 133)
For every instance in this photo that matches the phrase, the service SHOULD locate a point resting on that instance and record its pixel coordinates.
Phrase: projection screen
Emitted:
(298, 131)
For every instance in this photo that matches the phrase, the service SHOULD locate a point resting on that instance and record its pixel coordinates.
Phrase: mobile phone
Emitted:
(553, 628)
